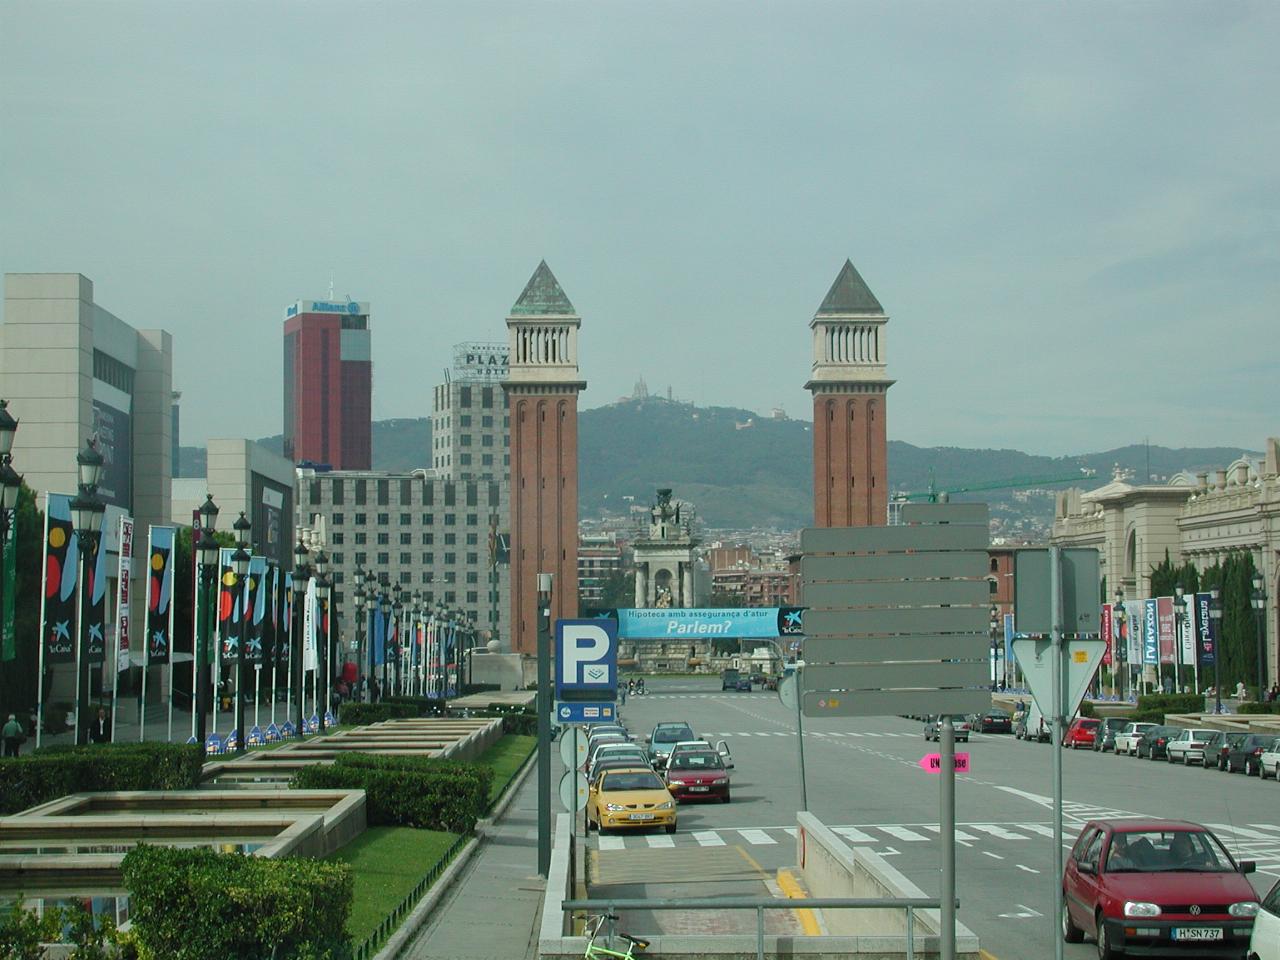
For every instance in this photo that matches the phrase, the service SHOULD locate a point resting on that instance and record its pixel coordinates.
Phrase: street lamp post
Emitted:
(545, 584)
(1215, 618)
(1179, 618)
(1259, 600)
(995, 659)
(86, 513)
(301, 574)
(323, 589)
(1121, 647)
(384, 607)
(240, 565)
(360, 626)
(207, 548)
(10, 484)
(397, 611)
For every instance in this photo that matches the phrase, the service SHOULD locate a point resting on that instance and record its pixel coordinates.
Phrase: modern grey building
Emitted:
(429, 534)
(470, 427)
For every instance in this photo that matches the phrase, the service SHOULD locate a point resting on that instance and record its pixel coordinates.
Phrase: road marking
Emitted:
(960, 834)
(1242, 832)
(996, 831)
(792, 831)
(611, 843)
(854, 835)
(708, 838)
(789, 885)
(871, 734)
(1028, 869)
(993, 856)
(661, 841)
(1024, 913)
(902, 833)
(756, 837)
(1039, 828)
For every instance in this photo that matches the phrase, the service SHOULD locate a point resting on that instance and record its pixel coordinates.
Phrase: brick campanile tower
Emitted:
(542, 399)
(849, 386)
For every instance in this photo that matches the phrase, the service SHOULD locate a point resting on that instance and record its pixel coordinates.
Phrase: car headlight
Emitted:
(719, 780)
(1136, 908)
(671, 803)
(1245, 909)
(614, 807)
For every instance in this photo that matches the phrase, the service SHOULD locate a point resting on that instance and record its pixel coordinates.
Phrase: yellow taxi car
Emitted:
(630, 797)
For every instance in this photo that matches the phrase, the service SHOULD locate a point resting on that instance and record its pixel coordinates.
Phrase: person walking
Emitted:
(100, 727)
(14, 736)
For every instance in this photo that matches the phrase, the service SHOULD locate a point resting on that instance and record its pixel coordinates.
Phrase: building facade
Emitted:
(328, 384)
(599, 558)
(470, 425)
(425, 533)
(542, 390)
(665, 557)
(849, 384)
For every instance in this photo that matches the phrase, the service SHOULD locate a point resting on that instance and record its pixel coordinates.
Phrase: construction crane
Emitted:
(934, 495)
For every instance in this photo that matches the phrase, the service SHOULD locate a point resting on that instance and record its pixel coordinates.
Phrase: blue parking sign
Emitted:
(586, 659)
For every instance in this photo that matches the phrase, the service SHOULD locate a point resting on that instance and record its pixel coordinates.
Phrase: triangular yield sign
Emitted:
(1080, 663)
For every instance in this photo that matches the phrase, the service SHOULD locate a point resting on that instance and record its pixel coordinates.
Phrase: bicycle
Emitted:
(595, 925)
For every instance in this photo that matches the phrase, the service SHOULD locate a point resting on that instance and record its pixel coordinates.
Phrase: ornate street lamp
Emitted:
(301, 574)
(240, 566)
(1215, 619)
(322, 601)
(10, 485)
(1259, 600)
(1121, 653)
(208, 551)
(86, 518)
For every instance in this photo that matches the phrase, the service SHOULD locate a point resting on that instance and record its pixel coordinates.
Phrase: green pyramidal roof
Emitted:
(542, 296)
(849, 294)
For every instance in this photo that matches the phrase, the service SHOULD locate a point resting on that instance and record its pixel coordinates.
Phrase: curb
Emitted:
(418, 915)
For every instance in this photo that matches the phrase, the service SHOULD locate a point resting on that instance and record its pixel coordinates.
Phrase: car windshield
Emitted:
(1167, 851)
(617, 752)
(672, 734)
(632, 781)
(697, 761)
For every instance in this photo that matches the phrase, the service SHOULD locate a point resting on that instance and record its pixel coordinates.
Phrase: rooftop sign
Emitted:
(480, 361)
(351, 308)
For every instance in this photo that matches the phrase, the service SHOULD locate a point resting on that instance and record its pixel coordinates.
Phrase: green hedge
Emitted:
(197, 904)
(1172, 702)
(422, 706)
(53, 772)
(1259, 707)
(359, 714)
(1147, 716)
(407, 791)
(516, 720)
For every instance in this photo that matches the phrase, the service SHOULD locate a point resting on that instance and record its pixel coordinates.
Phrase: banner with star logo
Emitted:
(95, 597)
(61, 563)
(159, 594)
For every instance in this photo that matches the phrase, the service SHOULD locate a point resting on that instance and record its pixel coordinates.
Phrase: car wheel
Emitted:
(1169, 757)
(726, 797)
(1250, 768)
(1105, 950)
(1070, 932)
(671, 828)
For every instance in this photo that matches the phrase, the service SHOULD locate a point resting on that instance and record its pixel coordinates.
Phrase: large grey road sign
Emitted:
(1080, 585)
(898, 616)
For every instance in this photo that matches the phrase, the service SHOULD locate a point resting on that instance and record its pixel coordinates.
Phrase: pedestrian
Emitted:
(1241, 692)
(1274, 692)
(100, 727)
(13, 736)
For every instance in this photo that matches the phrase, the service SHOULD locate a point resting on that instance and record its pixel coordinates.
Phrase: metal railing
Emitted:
(367, 947)
(760, 904)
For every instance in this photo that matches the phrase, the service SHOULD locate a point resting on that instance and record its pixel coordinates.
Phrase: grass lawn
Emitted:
(506, 757)
(387, 862)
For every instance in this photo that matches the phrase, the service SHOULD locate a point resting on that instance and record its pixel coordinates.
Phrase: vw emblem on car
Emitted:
(1195, 910)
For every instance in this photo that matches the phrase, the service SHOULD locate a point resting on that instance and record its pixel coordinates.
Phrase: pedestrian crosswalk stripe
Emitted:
(996, 831)
(869, 734)
(902, 833)
(1242, 832)
(1265, 826)
(854, 835)
(1039, 828)
(661, 841)
(611, 843)
(960, 834)
(708, 838)
(756, 837)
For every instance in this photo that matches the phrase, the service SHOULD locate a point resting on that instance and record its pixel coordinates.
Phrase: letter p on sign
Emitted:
(586, 655)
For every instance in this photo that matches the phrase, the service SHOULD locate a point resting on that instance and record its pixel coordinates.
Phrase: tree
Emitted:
(18, 676)
(618, 589)
(1165, 578)
(1237, 639)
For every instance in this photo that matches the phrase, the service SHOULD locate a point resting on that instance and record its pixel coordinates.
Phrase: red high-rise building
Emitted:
(849, 386)
(542, 389)
(328, 384)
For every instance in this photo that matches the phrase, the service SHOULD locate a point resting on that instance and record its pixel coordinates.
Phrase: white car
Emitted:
(1188, 746)
(698, 746)
(1269, 761)
(616, 751)
(1265, 943)
(1127, 739)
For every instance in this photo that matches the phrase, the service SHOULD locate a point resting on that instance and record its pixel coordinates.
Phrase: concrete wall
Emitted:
(504, 669)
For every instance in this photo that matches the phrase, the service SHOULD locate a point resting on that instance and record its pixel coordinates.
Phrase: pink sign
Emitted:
(1164, 613)
(932, 763)
(1107, 632)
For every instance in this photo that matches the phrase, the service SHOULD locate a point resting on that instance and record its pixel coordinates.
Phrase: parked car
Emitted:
(933, 728)
(698, 775)
(664, 737)
(1246, 756)
(1155, 742)
(615, 751)
(1081, 733)
(634, 797)
(744, 684)
(1269, 762)
(1265, 943)
(771, 682)
(1218, 746)
(729, 678)
(1105, 738)
(1127, 739)
(994, 721)
(757, 678)
(1156, 886)
(1030, 725)
(1188, 746)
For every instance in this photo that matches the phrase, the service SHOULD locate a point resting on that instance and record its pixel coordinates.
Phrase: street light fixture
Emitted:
(301, 574)
(8, 429)
(86, 513)
(1215, 618)
(322, 652)
(208, 550)
(1121, 646)
(10, 485)
(1259, 600)
(240, 566)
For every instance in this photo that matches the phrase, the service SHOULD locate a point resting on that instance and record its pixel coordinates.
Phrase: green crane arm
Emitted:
(931, 495)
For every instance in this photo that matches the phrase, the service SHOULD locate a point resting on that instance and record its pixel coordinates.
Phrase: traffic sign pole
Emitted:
(543, 701)
(1055, 623)
(948, 838)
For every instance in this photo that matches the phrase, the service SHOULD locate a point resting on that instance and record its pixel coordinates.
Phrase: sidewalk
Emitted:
(491, 912)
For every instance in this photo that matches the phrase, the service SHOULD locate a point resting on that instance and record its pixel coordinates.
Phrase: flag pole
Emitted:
(44, 592)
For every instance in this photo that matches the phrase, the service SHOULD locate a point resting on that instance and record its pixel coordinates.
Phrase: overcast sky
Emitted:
(1068, 210)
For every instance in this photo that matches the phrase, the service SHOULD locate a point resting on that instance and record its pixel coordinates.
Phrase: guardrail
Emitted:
(367, 947)
(759, 904)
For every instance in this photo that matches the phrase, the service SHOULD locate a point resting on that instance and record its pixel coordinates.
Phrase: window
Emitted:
(361, 537)
(336, 491)
(473, 491)
(465, 440)
(450, 597)
(384, 538)
(486, 460)
(406, 559)
(428, 519)
(428, 539)
(406, 577)
(486, 398)
(450, 539)
(486, 440)
(473, 577)
(360, 493)
(336, 538)
(337, 520)
(430, 595)
(450, 559)
(450, 519)
(428, 494)
(472, 558)
(361, 519)
(384, 519)
(406, 519)
(428, 557)
(361, 559)
(384, 491)
(464, 420)
(464, 459)
(450, 494)
(473, 519)
(406, 492)
(384, 559)
(337, 577)
(314, 490)
(406, 539)
(464, 397)
(472, 596)
(471, 539)
(486, 420)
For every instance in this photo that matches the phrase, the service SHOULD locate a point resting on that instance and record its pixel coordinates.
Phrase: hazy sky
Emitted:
(1068, 210)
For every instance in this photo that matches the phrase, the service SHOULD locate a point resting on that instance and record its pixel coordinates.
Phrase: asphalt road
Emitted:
(864, 781)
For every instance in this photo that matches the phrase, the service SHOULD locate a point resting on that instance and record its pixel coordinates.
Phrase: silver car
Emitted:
(1127, 739)
(1188, 746)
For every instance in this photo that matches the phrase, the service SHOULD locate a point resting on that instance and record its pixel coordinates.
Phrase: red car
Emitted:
(698, 775)
(1081, 733)
(1156, 887)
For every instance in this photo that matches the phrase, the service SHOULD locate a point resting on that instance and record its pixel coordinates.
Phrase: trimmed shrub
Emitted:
(1147, 716)
(409, 791)
(198, 904)
(359, 714)
(1086, 709)
(1172, 702)
(423, 706)
(1259, 707)
(53, 772)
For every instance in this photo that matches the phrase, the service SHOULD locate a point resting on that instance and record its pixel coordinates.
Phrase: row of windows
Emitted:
(111, 371)
(384, 558)
(337, 491)
(428, 520)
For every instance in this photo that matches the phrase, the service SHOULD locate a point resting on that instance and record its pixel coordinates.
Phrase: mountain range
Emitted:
(742, 470)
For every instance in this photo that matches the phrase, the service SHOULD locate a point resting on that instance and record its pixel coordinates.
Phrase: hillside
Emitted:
(742, 470)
